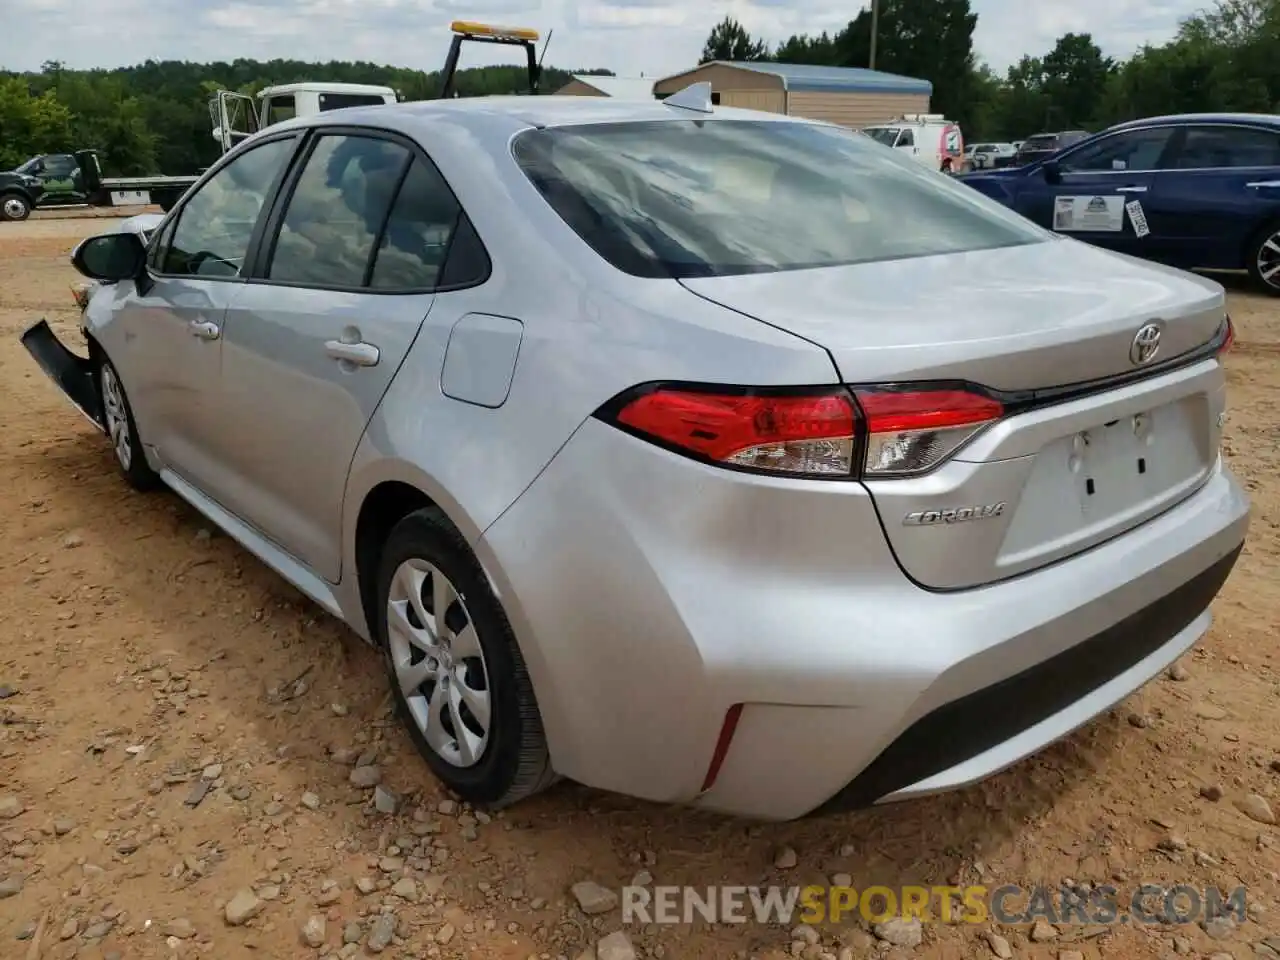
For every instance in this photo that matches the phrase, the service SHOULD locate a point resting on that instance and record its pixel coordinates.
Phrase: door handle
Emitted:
(205, 330)
(1131, 189)
(360, 354)
(1260, 184)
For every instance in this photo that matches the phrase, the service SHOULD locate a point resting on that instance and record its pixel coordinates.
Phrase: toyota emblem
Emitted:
(1146, 344)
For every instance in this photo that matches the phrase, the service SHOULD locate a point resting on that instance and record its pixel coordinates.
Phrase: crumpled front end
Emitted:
(74, 374)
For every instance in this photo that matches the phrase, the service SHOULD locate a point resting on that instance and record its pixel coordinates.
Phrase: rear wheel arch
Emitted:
(385, 505)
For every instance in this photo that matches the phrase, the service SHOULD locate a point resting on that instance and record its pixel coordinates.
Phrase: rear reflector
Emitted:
(910, 432)
(727, 730)
(800, 435)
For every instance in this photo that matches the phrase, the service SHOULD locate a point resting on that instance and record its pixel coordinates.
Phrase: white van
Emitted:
(928, 137)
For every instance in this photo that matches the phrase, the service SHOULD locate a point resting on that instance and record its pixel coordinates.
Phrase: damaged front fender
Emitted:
(72, 373)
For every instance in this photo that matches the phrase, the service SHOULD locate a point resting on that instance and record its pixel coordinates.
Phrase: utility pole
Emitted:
(875, 28)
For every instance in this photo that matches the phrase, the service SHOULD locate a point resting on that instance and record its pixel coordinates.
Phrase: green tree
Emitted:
(1076, 75)
(729, 40)
(30, 124)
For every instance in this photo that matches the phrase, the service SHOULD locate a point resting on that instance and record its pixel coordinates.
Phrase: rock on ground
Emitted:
(243, 907)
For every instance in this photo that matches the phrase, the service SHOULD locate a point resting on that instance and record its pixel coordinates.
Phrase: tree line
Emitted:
(1221, 59)
(154, 117)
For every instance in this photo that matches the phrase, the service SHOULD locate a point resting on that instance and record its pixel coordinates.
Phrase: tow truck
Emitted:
(75, 179)
(237, 116)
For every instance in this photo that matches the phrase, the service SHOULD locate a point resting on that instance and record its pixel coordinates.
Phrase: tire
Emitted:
(122, 431)
(1264, 255)
(14, 207)
(946, 166)
(491, 765)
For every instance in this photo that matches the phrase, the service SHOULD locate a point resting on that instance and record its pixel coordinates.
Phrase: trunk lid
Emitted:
(1048, 482)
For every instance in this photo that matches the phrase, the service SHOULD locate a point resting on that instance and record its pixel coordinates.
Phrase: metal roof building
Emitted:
(622, 88)
(849, 96)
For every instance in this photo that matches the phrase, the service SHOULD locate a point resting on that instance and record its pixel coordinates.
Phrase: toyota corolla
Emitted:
(709, 456)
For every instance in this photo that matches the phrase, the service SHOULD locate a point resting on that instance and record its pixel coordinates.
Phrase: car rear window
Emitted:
(701, 198)
(1039, 143)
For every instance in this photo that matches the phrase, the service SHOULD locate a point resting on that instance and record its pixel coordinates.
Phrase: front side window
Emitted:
(1217, 147)
(1132, 150)
(696, 198)
(337, 211)
(281, 108)
(885, 135)
(215, 225)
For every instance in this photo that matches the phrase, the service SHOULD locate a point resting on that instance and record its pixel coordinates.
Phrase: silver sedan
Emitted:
(709, 456)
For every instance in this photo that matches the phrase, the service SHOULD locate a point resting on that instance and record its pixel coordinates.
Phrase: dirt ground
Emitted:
(178, 728)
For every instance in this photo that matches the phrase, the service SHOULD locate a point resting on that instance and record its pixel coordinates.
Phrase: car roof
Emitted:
(1227, 119)
(521, 112)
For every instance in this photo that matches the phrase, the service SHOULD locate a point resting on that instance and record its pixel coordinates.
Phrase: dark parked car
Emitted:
(1193, 191)
(1044, 145)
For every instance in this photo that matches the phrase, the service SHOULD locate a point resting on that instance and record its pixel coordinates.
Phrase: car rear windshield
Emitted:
(1041, 142)
(698, 198)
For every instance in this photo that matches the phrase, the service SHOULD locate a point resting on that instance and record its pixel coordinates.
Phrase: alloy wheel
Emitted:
(1268, 263)
(438, 662)
(117, 416)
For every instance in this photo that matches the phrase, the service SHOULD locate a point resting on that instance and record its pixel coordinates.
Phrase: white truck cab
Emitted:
(236, 116)
(930, 138)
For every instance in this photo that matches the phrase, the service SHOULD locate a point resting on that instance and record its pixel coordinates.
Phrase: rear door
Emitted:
(1100, 193)
(347, 274)
(1218, 188)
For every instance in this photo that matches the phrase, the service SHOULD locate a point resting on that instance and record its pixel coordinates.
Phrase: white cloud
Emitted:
(655, 37)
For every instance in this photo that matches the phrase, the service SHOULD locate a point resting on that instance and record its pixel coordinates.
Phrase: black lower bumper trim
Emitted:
(73, 374)
(964, 728)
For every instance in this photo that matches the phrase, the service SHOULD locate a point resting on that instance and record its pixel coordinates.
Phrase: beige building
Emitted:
(849, 96)
(622, 88)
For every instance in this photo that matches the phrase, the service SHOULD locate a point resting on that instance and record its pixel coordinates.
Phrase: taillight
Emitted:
(1228, 337)
(828, 432)
(800, 434)
(912, 431)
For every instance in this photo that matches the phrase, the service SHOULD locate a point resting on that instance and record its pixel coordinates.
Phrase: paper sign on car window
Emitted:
(1138, 218)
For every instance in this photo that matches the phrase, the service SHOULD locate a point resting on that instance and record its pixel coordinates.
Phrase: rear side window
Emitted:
(337, 101)
(694, 198)
(423, 221)
(337, 211)
(1215, 147)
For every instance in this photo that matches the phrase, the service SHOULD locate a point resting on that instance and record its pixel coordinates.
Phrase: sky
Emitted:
(630, 37)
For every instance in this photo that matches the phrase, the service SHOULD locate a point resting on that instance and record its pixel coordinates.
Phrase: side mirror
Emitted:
(1052, 172)
(110, 257)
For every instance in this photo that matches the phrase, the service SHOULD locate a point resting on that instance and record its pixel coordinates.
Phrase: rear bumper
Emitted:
(73, 374)
(650, 594)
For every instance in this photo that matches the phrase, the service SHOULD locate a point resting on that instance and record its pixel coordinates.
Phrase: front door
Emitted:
(1099, 192)
(167, 339)
(312, 344)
